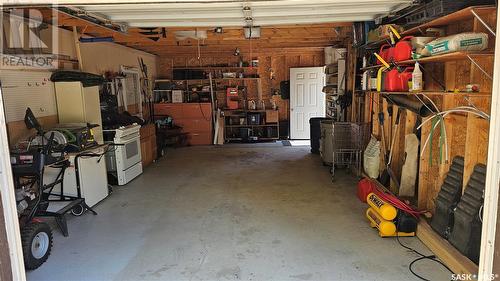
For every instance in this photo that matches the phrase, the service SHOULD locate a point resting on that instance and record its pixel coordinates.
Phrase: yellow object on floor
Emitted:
(386, 228)
(386, 210)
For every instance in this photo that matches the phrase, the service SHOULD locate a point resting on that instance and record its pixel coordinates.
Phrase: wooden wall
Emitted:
(467, 135)
(278, 63)
(97, 58)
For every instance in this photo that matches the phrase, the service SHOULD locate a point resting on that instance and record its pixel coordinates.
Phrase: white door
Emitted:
(306, 99)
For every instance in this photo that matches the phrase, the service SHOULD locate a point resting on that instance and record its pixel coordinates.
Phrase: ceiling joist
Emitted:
(284, 24)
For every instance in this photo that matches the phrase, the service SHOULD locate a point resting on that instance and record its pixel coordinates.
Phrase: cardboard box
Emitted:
(272, 116)
(177, 96)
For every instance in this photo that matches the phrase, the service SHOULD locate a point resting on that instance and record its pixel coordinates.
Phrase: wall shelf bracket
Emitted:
(479, 67)
(483, 22)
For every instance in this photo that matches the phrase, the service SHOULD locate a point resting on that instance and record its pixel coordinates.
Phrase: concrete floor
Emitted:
(238, 212)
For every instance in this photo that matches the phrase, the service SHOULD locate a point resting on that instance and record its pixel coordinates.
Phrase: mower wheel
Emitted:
(36, 238)
(78, 210)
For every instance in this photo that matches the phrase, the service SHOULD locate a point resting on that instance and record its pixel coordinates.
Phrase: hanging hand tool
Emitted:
(388, 173)
(382, 60)
(382, 136)
(395, 32)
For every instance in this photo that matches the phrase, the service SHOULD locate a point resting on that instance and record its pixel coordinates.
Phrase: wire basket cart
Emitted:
(349, 140)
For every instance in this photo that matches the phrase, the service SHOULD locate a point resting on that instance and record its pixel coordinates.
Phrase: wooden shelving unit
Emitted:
(220, 79)
(238, 121)
(335, 86)
(466, 134)
(434, 93)
(188, 84)
(462, 15)
(218, 67)
(438, 58)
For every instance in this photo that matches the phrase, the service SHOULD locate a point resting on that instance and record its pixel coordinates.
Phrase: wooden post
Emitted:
(423, 174)
(77, 48)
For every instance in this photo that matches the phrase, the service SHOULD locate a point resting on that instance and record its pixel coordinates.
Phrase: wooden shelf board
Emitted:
(247, 78)
(437, 58)
(448, 254)
(457, 16)
(435, 93)
(186, 102)
(259, 139)
(216, 67)
(246, 110)
(245, 126)
(276, 138)
(219, 79)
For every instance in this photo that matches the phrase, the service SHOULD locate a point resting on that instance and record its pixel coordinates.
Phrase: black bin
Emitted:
(315, 133)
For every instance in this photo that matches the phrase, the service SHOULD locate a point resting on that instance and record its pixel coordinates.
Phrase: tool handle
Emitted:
(382, 60)
(381, 118)
(395, 32)
(395, 133)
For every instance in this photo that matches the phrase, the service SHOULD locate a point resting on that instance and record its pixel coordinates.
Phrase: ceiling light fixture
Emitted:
(218, 30)
(247, 12)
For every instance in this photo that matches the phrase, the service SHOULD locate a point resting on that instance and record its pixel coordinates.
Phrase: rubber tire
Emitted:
(27, 234)
(78, 210)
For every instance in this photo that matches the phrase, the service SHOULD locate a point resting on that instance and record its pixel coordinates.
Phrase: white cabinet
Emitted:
(78, 104)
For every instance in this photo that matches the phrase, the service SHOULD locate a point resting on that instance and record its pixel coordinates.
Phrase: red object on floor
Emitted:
(365, 187)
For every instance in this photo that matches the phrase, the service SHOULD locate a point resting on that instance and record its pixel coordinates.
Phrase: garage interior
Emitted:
(249, 140)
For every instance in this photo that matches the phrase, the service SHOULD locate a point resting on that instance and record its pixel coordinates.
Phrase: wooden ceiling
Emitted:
(273, 38)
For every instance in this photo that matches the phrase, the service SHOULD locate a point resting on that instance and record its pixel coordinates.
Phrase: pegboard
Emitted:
(22, 89)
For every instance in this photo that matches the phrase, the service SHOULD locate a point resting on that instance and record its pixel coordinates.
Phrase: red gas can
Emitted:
(384, 52)
(402, 50)
(396, 81)
(404, 77)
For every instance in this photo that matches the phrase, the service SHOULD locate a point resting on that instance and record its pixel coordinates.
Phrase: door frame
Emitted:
(323, 83)
(9, 201)
(491, 191)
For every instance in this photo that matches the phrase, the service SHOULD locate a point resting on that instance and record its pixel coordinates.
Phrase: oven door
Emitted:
(129, 152)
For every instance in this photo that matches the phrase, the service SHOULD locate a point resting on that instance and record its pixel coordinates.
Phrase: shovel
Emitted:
(388, 174)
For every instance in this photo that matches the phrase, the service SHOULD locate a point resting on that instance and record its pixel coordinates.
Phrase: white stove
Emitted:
(124, 160)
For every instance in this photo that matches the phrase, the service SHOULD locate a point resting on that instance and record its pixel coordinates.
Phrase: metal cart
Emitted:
(348, 141)
(28, 167)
